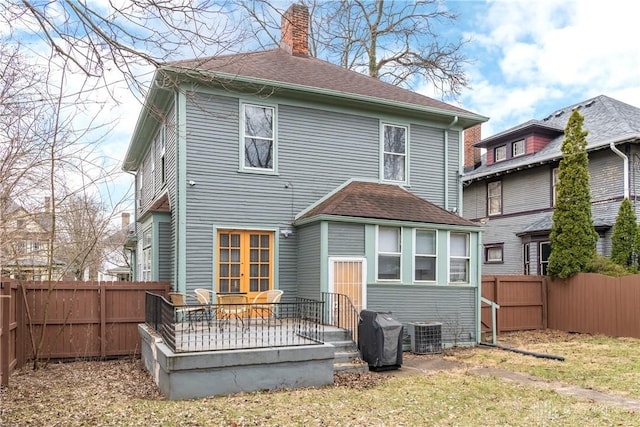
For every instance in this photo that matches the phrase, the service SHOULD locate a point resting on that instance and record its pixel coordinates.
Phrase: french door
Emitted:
(244, 261)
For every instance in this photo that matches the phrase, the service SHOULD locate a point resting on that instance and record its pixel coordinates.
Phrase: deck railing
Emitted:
(215, 327)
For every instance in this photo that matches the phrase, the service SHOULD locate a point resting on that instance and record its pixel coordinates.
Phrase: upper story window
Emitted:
(389, 251)
(258, 138)
(163, 149)
(494, 198)
(394, 153)
(147, 255)
(500, 153)
(518, 148)
(555, 177)
(459, 257)
(424, 268)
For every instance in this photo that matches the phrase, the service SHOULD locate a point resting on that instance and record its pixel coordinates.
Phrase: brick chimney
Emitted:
(295, 30)
(471, 153)
(126, 216)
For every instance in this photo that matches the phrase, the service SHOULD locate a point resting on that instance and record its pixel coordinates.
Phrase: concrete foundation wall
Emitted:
(202, 374)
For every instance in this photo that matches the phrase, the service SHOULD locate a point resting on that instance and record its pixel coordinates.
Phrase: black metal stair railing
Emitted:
(340, 312)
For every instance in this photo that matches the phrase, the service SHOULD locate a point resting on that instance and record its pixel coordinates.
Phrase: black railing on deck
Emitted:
(235, 326)
(340, 312)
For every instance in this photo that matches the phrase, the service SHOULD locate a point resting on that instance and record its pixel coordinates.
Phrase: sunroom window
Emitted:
(459, 258)
(389, 253)
(425, 256)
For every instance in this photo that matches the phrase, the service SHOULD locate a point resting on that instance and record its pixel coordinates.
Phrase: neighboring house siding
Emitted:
(346, 239)
(309, 261)
(526, 199)
(451, 305)
(165, 255)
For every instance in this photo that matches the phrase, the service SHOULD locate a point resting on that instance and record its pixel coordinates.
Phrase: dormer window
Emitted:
(518, 148)
(500, 153)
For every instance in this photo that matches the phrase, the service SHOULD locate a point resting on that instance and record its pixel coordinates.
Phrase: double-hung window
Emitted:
(494, 198)
(389, 250)
(258, 138)
(517, 148)
(424, 269)
(394, 153)
(163, 149)
(147, 255)
(555, 177)
(459, 257)
(500, 153)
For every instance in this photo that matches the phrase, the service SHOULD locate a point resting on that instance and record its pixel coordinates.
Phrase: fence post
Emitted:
(5, 300)
(545, 297)
(496, 289)
(102, 290)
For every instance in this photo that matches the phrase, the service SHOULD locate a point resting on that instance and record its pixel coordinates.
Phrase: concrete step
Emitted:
(346, 356)
(333, 334)
(355, 367)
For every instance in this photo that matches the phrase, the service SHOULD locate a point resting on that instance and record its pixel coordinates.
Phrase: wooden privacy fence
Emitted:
(81, 319)
(522, 301)
(585, 303)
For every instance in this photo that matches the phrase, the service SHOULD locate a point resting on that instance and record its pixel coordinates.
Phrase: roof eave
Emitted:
(546, 160)
(464, 119)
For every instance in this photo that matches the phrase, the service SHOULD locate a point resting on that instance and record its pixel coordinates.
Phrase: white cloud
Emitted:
(535, 57)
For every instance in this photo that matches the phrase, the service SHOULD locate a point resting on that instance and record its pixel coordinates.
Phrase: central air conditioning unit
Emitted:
(426, 337)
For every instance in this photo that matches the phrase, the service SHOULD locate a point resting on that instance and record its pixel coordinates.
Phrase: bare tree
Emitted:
(100, 37)
(396, 41)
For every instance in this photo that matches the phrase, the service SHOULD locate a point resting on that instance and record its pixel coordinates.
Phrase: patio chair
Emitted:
(204, 298)
(263, 304)
(232, 306)
(183, 309)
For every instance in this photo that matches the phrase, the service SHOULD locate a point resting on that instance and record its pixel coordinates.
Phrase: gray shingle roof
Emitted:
(383, 201)
(606, 119)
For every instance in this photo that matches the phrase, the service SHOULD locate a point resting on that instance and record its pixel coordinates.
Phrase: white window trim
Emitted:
(406, 152)
(399, 280)
(242, 167)
(555, 179)
(495, 154)
(163, 158)
(414, 254)
(489, 211)
(467, 257)
(515, 144)
(494, 261)
(147, 248)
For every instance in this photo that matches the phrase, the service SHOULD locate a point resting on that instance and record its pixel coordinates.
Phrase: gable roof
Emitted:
(606, 119)
(382, 201)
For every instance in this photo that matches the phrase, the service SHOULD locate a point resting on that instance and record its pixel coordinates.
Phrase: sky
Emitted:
(532, 58)
(527, 60)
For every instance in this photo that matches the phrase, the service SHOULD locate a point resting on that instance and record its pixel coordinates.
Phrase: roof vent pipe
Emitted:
(626, 168)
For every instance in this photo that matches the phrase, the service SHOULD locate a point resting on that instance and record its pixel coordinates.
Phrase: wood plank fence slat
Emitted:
(83, 319)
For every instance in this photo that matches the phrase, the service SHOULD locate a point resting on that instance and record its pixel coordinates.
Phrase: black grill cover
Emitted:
(380, 340)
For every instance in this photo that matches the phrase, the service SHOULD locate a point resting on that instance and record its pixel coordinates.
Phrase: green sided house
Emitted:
(276, 170)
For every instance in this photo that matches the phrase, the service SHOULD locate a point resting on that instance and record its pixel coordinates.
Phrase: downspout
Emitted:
(626, 168)
(446, 162)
